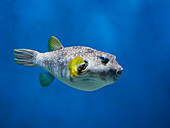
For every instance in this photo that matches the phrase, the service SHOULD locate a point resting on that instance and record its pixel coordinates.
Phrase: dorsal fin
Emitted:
(54, 44)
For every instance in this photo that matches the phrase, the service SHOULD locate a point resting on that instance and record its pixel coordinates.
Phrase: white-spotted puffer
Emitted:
(80, 67)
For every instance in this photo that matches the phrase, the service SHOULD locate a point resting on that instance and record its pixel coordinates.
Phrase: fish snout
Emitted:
(117, 71)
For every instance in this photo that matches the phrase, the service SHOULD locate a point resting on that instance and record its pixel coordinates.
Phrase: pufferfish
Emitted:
(80, 67)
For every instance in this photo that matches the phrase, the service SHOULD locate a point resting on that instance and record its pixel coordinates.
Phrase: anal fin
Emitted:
(45, 79)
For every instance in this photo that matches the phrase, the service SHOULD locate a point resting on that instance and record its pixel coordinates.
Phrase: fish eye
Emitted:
(82, 67)
(104, 60)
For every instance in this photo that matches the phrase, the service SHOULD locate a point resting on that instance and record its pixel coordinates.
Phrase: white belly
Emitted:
(84, 83)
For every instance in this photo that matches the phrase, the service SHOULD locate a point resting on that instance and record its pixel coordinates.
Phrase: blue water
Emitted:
(136, 31)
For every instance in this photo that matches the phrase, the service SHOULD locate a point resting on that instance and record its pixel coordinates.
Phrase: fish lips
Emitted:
(116, 74)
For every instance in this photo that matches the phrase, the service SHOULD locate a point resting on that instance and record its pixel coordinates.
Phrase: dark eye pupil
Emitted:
(104, 60)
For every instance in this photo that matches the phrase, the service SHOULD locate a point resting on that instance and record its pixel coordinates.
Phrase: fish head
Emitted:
(104, 67)
(96, 71)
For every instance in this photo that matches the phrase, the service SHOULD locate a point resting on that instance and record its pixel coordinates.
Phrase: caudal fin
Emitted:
(25, 57)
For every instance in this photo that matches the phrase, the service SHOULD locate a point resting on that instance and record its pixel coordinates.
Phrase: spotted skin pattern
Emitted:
(96, 75)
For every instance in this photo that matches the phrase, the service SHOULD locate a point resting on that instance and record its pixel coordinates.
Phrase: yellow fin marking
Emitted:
(73, 65)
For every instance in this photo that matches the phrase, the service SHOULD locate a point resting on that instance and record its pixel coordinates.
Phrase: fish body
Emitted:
(80, 67)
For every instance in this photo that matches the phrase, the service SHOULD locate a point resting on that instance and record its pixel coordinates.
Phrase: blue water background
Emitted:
(136, 31)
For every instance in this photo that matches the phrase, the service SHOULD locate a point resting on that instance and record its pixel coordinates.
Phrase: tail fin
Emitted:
(25, 57)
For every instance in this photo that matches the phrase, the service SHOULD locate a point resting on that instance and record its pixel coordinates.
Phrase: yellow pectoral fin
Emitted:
(73, 65)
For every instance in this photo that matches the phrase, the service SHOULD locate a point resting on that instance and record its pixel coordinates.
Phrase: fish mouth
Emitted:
(116, 73)
(119, 73)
